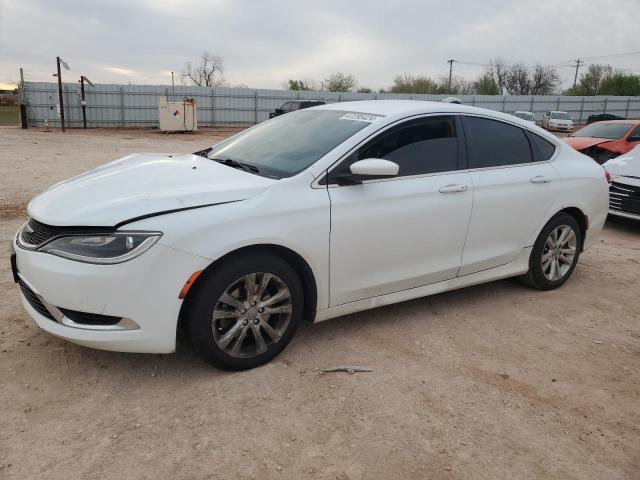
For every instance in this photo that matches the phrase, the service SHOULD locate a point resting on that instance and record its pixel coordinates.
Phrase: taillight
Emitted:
(607, 176)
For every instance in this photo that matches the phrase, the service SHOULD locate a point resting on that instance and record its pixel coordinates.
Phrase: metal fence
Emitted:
(137, 105)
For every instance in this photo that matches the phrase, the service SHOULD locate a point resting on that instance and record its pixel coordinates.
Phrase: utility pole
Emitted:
(83, 101)
(61, 100)
(23, 102)
(450, 62)
(59, 61)
(575, 77)
(173, 86)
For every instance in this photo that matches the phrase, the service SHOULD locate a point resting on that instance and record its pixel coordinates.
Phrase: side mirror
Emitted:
(375, 167)
(366, 169)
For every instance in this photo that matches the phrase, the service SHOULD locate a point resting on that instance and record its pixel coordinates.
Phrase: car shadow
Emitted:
(619, 224)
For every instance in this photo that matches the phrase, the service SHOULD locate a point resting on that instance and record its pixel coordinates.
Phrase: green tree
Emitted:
(409, 84)
(486, 85)
(340, 82)
(619, 83)
(591, 81)
(297, 85)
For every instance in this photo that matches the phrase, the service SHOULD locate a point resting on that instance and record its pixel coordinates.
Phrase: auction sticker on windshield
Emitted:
(360, 117)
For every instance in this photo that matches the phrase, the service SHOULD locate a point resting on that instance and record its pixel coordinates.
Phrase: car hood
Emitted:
(140, 185)
(580, 143)
(625, 167)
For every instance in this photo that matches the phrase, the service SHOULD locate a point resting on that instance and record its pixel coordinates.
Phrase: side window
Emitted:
(418, 147)
(491, 143)
(286, 107)
(542, 149)
(635, 134)
(295, 106)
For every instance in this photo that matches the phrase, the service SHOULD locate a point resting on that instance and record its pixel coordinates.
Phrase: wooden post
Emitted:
(61, 100)
(122, 106)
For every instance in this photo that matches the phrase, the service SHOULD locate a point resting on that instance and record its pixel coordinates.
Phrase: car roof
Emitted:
(629, 122)
(523, 111)
(393, 108)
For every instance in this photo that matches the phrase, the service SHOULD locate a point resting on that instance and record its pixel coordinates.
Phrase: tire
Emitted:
(228, 335)
(541, 274)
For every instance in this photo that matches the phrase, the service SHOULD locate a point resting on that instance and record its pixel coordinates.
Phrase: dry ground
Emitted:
(494, 381)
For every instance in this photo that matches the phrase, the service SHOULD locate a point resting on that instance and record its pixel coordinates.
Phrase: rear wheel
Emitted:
(245, 312)
(555, 253)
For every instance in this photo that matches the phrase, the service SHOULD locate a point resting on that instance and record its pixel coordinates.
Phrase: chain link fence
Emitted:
(110, 105)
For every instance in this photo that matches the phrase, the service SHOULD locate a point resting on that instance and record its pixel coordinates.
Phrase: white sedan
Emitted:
(311, 215)
(624, 193)
(556, 120)
(524, 115)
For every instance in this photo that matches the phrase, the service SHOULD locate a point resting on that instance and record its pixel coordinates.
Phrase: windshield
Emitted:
(560, 115)
(604, 130)
(524, 115)
(288, 144)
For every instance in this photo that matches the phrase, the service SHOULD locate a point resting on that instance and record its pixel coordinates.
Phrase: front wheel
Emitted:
(555, 253)
(245, 311)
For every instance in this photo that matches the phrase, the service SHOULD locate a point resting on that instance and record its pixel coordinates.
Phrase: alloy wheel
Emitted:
(559, 253)
(252, 315)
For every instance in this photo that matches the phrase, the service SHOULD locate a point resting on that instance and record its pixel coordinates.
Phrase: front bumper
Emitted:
(624, 199)
(561, 128)
(629, 216)
(142, 293)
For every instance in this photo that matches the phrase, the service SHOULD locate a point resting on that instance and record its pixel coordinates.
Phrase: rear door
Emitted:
(394, 234)
(514, 186)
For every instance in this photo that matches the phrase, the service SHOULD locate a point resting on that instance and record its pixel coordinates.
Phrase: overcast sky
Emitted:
(263, 43)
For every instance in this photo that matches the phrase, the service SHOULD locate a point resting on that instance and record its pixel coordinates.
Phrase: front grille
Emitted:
(36, 233)
(33, 299)
(624, 198)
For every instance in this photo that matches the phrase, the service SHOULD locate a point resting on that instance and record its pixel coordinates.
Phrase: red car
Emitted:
(605, 140)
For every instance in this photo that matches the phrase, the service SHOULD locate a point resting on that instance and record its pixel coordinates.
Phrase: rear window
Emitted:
(604, 130)
(524, 115)
(491, 143)
(542, 149)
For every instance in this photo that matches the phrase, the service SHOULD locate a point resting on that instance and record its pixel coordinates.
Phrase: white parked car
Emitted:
(624, 193)
(557, 121)
(528, 116)
(311, 215)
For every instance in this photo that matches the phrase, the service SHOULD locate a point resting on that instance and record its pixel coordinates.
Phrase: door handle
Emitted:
(541, 179)
(453, 188)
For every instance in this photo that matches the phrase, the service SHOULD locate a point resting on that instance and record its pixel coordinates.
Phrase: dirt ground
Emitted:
(493, 381)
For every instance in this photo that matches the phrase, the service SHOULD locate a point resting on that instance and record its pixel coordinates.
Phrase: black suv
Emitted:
(294, 105)
(599, 117)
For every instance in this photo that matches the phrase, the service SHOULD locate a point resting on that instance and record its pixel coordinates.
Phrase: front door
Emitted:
(408, 231)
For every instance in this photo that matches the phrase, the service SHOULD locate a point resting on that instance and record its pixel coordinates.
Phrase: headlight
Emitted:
(109, 248)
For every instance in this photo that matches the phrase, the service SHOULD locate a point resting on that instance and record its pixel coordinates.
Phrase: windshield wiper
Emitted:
(235, 164)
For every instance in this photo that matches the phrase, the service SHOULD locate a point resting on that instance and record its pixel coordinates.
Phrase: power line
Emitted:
(568, 63)
(612, 55)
